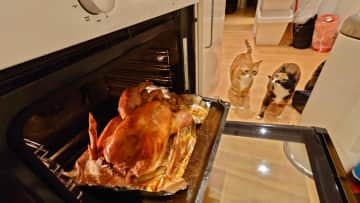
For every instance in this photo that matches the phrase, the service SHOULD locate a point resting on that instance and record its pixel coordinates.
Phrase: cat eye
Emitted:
(254, 72)
(246, 71)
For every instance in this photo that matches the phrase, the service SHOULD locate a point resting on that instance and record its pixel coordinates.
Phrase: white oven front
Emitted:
(34, 28)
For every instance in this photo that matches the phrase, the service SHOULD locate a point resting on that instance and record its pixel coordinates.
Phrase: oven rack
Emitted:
(41, 152)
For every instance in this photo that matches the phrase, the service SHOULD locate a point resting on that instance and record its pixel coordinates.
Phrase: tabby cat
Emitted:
(242, 72)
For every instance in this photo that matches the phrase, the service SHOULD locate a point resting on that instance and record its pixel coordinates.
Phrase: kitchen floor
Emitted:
(238, 28)
(238, 172)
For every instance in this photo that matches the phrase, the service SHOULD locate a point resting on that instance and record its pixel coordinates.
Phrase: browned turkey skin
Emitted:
(134, 144)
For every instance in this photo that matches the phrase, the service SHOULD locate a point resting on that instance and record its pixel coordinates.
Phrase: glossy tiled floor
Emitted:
(257, 170)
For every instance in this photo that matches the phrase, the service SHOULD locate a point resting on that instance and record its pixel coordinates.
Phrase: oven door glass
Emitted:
(271, 163)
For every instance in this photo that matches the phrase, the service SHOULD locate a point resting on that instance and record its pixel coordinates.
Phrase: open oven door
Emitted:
(255, 164)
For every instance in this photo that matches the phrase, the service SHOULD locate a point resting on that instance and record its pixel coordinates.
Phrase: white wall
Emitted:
(328, 6)
(346, 8)
(342, 8)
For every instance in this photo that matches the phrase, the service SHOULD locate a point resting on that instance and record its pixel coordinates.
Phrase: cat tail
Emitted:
(248, 46)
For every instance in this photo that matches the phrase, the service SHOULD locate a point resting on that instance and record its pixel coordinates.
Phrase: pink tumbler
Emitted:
(325, 32)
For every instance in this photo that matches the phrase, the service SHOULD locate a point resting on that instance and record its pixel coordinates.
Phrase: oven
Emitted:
(50, 126)
(45, 101)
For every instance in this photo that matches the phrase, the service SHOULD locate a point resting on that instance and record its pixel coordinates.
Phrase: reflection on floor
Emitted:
(238, 27)
(235, 176)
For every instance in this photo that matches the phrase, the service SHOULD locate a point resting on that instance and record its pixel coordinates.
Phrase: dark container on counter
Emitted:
(303, 33)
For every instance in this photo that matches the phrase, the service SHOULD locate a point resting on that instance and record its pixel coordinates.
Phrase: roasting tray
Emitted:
(196, 173)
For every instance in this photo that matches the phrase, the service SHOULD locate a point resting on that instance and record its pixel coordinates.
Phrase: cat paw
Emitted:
(259, 117)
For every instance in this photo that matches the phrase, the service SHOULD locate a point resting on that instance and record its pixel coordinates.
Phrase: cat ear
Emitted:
(256, 65)
(283, 68)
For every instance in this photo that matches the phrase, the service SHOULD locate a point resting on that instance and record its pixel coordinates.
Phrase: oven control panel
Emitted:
(29, 30)
(95, 10)
(97, 6)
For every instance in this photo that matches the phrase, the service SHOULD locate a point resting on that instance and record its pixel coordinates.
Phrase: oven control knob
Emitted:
(97, 6)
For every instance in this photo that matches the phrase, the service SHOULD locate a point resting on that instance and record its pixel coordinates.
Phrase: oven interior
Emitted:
(54, 127)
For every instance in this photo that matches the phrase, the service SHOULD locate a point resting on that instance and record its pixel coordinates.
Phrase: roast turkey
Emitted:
(146, 147)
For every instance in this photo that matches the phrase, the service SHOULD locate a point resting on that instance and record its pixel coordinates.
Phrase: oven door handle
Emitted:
(211, 24)
(186, 64)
